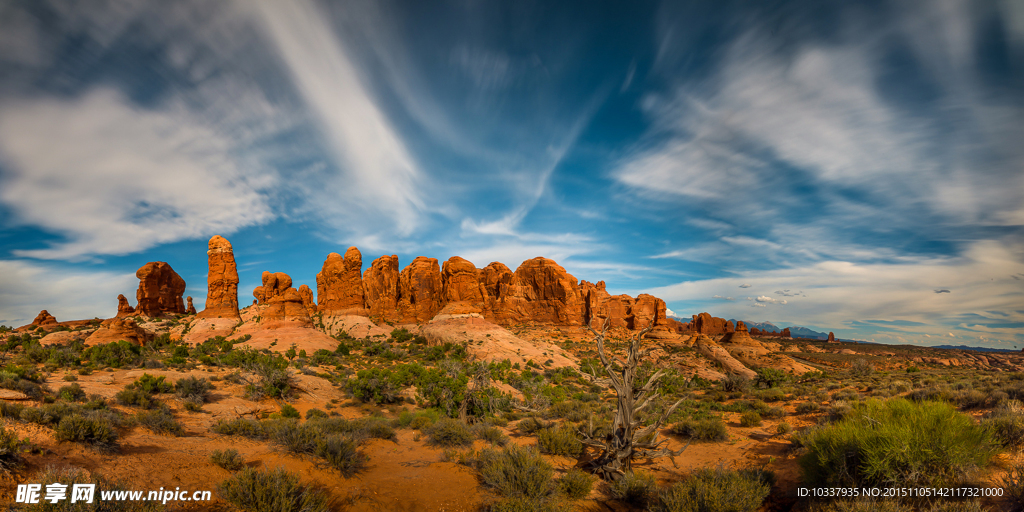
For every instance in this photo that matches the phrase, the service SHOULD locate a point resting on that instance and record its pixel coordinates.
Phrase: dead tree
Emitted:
(627, 440)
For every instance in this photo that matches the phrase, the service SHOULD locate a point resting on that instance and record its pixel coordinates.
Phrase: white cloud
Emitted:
(744, 285)
(114, 179)
(68, 294)
(380, 174)
(669, 312)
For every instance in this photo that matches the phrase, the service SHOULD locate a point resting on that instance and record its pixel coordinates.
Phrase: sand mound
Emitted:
(491, 342)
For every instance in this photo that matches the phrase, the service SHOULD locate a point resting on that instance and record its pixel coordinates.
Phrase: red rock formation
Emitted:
(758, 332)
(420, 290)
(190, 309)
(648, 310)
(274, 284)
(283, 304)
(44, 318)
(307, 299)
(495, 278)
(542, 292)
(221, 281)
(123, 307)
(785, 333)
(704, 323)
(460, 282)
(339, 285)
(380, 288)
(832, 338)
(160, 290)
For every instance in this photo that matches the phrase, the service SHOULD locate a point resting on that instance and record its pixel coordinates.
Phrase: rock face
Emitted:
(117, 329)
(222, 281)
(420, 290)
(709, 325)
(307, 299)
(541, 291)
(190, 309)
(339, 285)
(44, 318)
(380, 288)
(495, 278)
(740, 339)
(785, 333)
(123, 307)
(160, 290)
(832, 338)
(279, 305)
(461, 283)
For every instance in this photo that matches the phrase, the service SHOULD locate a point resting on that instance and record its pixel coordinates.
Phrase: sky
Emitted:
(855, 167)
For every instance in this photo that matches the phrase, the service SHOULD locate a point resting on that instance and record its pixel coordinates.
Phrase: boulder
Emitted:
(123, 307)
(160, 290)
(117, 329)
(339, 285)
(221, 281)
(380, 288)
(274, 284)
(280, 305)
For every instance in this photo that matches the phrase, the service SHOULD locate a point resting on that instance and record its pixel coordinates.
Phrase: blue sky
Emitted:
(834, 165)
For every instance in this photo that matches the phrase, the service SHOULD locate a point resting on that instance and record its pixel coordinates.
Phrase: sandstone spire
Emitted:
(222, 281)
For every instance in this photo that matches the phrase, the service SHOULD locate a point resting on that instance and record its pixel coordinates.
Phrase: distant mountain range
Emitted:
(979, 349)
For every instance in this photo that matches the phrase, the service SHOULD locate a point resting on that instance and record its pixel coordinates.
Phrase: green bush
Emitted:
(315, 413)
(492, 435)
(634, 488)
(449, 432)
(276, 490)
(771, 377)
(97, 432)
(244, 427)
(71, 393)
(807, 407)
(341, 453)
(576, 484)
(525, 504)
(710, 490)
(228, 459)
(193, 387)
(11, 449)
(160, 421)
(516, 471)
(1007, 424)
(710, 429)
(735, 382)
(750, 419)
(151, 385)
(531, 425)
(560, 440)
(896, 442)
(289, 411)
(136, 398)
(71, 476)
(1013, 484)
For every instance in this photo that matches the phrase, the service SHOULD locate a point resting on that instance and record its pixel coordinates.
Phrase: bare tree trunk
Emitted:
(627, 440)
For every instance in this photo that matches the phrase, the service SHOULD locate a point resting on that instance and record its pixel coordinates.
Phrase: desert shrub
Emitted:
(715, 490)
(516, 471)
(887, 505)
(71, 393)
(151, 385)
(634, 488)
(490, 434)
(807, 407)
(560, 440)
(575, 484)
(750, 419)
(315, 413)
(1013, 484)
(770, 377)
(711, 429)
(275, 490)
(783, 428)
(734, 382)
(419, 419)
(378, 385)
(160, 421)
(1006, 424)
(244, 427)
(270, 374)
(192, 403)
(289, 411)
(10, 409)
(374, 427)
(96, 432)
(531, 425)
(970, 399)
(135, 398)
(861, 368)
(771, 395)
(71, 476)
(775, 412)
(524, 504)
(897, 441)
(449, 432)
(11, 449)
(341, 453)
(228, 459)
(193, 387)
